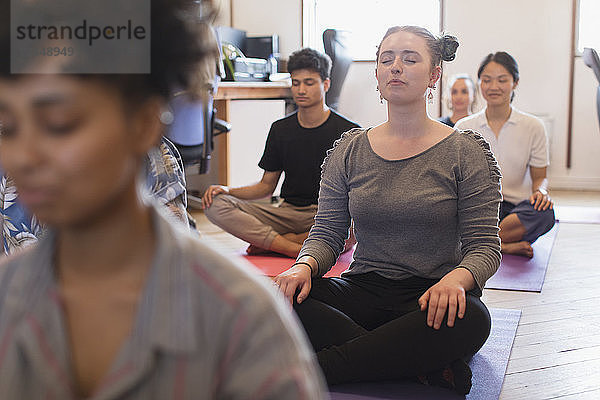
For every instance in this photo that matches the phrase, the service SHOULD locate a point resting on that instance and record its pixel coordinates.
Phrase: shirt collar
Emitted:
(163, 320)
(513, 119)
(480, 119)
(515, 116)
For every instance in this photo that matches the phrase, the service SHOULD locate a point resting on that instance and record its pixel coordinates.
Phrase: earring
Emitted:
(166, 116)
(380, 98)
(430, 96)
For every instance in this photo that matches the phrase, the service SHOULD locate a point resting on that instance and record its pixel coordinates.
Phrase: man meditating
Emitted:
(296, 145)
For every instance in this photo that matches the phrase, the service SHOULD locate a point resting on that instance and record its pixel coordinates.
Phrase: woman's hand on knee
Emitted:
(448, 295)
(298, 277)
(541, 201)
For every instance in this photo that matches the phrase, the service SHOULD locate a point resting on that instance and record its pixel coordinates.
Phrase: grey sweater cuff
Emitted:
(322, 253)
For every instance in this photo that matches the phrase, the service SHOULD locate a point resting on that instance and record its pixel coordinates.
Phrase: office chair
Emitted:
(334, 42)
(192, 127)
(191, 119)
(590, 58)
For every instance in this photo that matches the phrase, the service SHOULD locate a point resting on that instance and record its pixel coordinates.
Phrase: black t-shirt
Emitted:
(299, 153)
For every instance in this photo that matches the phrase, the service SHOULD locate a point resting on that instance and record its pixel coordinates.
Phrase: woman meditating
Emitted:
(519, 142)
(424, 200)
(116, 301)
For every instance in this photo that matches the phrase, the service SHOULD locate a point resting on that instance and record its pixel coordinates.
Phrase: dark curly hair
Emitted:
(310, 59)
(178, 44)
(440, 48)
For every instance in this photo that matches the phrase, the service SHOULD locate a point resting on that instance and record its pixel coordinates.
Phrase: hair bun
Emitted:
(448, 46)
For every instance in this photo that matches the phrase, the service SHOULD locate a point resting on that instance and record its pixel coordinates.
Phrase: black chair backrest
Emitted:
(334, 42)
(192, 129)
(591, 59)
(192, 122)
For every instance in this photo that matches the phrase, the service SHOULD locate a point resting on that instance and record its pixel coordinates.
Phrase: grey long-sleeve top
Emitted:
(421, 216)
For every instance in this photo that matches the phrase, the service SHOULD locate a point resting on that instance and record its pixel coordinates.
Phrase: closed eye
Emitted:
(61, 129)
(7, 126)
(6, 130)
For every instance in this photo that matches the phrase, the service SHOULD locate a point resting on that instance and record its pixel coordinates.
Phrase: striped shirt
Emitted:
(205, 328)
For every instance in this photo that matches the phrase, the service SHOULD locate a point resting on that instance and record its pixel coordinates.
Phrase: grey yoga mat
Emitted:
(488, 366)
(522, 273)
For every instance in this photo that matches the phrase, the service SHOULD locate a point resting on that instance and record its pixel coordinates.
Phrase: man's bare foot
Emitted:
(253, 250)
(296, 237)
(522, 248)
(282, 245)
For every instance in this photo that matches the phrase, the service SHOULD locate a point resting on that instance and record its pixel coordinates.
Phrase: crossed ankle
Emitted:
(456, 376)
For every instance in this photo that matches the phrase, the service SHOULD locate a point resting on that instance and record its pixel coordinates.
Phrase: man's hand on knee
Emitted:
(211, 192)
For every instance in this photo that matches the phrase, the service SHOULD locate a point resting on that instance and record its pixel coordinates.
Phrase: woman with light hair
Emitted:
(461, 97)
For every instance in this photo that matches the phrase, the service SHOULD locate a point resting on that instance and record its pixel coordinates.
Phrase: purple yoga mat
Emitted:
(522, 273)
(488, 366)
(577, 215)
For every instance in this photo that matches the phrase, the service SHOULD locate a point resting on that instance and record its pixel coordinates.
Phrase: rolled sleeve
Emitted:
(539, 156)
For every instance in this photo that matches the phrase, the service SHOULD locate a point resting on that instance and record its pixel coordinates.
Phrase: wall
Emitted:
(223, 8)
(248, 136)
(536, 32)
(266, 17)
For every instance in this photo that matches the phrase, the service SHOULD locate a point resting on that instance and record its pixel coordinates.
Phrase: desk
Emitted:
(253, 90)
(228, 91)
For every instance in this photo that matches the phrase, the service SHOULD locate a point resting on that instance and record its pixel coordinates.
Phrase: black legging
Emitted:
(368, 328)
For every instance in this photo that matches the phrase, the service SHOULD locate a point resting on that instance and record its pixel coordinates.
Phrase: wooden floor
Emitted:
(556, 354)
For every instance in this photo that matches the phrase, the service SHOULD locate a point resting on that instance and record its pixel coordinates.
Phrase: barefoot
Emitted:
(296, 237)
(456, 376)
(253, 250)
(518, 248)
(283, 245)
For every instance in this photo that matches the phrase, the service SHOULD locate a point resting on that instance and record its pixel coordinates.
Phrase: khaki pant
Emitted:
(259, 223)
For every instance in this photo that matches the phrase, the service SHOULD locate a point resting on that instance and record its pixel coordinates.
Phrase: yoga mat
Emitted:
(488, 366)
(272, 264)
(522, 273)
(577, 215)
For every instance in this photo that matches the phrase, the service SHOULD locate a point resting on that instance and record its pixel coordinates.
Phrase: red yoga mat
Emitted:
(273, 264)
